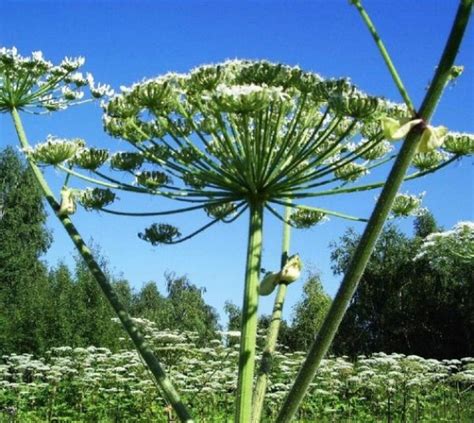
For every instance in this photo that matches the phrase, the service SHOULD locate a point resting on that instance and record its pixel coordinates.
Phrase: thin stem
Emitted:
(366, 245)
(386, 57)
(318, 209)
(155, 367)
(243, 409)
(266, 361)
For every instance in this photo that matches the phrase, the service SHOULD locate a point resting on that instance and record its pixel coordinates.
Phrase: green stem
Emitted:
(366, 245)
(169, 392)
(386, 57)
(243, 410)
(272, 335)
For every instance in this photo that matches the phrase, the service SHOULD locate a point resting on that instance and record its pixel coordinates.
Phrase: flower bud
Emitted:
(126, 161)
(161, 233)
(426, 161)
(406, 205)
(90, 158)
(305, 218)
(152, 179)
(220, 211)
(55, 150)
(96, 198)
(350, 171)
(461, 144)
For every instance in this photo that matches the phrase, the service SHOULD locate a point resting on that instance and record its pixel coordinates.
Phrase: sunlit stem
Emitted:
(243, 410)
(367, 242)
(169, 392)
(273, 330)
(386, 57)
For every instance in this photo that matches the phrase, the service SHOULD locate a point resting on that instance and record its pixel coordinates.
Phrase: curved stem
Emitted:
(266, 361)
(243, 409)
(155, 367)
(366, 245)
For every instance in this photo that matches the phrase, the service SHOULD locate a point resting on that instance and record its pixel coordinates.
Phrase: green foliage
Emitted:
(404, 304)
(309, 314)
(23, 239)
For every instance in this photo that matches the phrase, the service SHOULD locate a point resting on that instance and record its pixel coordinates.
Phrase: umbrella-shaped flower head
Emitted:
(242, 132)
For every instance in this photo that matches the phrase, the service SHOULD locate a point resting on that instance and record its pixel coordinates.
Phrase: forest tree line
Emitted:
(402, 305)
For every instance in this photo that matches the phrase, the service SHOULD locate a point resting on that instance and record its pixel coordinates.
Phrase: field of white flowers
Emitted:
(94, 384)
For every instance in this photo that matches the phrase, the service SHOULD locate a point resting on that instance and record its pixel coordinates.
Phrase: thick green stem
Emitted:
(375, 224)
(169, 392)
(272, 335)
(243, 410)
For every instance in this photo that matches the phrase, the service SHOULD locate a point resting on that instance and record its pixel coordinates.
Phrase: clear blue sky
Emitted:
(125, 41)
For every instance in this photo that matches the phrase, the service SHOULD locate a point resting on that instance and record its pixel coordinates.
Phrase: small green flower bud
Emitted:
(126, 161)
(152, 179)
(356, 105)
(461, 144)
(159, 152)
(220, 211)
(55, 150)
(246, 98)
(193, 180)
(90, 158)
(407, 205)
(188, 155)
(96, 198)
(426, 161)
(377, 151)
(161, 233)
(305, 218)
(455, 72)
(350, 172)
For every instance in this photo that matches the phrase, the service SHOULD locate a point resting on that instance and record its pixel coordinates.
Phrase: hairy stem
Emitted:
(366, 245)
(272, 335)
(155, 367)
(243, 410)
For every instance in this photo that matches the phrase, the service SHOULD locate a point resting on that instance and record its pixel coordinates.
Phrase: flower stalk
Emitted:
(243, 410)
(155, 367)
(273, 330)
(381, 211)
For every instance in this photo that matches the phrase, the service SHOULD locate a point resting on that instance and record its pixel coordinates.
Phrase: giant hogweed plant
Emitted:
(231, 137)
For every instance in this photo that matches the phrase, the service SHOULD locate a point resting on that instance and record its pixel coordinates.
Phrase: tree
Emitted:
(308, 314)
(23, 239)
(406, 305)
(150, 304)
(189, 311)
(61, 308)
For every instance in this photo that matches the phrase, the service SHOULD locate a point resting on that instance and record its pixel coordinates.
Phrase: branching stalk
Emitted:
(155, 367)
(366, 245)
(386, 57)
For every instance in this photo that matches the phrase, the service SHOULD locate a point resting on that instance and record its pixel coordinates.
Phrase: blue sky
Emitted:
(126, 41)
